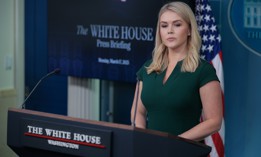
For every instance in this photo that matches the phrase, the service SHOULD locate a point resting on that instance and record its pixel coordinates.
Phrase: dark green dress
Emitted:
(175, 106)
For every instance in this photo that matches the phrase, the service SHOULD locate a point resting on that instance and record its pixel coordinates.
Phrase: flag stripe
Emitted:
(218, 144)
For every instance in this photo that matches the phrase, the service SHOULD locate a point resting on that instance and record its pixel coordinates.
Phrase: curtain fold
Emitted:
(83, 98)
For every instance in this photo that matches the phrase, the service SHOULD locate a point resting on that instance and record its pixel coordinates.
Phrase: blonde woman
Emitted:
(176, 87)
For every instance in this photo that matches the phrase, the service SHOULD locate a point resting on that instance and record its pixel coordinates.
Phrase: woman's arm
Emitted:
(140, 120)
(211, 98)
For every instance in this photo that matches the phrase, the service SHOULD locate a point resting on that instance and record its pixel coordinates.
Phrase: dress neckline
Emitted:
(173, 73)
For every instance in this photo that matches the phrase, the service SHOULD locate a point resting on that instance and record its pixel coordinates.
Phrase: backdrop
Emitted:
(101, 39)
(241, 37)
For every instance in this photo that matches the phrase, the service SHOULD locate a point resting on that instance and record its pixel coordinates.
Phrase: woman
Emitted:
(176, 87)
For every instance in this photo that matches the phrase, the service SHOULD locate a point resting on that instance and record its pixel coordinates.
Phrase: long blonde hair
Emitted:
(160, 52)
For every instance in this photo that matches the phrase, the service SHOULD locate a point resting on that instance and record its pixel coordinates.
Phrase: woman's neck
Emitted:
(175, 56)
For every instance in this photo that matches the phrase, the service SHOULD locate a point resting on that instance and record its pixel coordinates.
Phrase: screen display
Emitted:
(104, 39)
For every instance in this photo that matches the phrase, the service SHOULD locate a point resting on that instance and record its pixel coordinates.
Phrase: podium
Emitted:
(32, 133)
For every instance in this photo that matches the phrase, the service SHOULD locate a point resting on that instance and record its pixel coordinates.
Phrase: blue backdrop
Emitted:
(242, 80)
(51, 94)
(101, 39)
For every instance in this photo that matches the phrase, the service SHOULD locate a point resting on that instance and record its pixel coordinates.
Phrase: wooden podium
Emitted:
(39, 134)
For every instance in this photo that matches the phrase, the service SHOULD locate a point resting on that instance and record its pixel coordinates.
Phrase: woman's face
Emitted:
(174, 31)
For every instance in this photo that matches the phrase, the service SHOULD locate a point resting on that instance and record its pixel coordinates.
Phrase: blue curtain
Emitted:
(51, 95)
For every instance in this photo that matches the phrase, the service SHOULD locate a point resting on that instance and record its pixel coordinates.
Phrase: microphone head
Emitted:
(54, 72)
(57, 71)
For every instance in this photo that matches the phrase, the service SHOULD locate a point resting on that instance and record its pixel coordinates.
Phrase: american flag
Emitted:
(211, 51)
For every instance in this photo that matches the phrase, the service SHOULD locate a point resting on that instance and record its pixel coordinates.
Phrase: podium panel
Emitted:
(33, 133)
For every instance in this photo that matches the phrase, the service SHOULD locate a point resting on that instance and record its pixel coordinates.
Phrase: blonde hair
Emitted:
(160, 52)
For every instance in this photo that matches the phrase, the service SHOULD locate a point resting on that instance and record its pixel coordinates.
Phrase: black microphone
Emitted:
(56, 71)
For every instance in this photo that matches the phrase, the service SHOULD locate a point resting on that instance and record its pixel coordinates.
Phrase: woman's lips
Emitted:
(171, 39)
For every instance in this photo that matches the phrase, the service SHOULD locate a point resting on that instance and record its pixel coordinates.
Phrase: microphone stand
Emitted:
(56, 71)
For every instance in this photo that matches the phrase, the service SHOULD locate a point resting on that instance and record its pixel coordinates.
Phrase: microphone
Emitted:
(56, 71)
(136, 104)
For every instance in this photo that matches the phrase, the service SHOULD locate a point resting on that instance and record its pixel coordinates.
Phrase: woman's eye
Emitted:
(164, 26)
(178, 24)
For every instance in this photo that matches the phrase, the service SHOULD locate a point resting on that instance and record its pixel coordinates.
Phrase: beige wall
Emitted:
(7, 99)
(7, 44)
(11, 64)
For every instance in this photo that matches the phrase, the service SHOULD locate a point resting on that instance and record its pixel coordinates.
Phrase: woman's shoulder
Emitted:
(142, 72)
(146, 64)
(205, 67)
(206, 72)
(204, 64)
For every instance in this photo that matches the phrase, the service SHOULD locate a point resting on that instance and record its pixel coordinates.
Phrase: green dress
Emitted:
(174, 106)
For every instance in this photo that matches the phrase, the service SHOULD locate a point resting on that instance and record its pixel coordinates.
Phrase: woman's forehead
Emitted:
(170, 16)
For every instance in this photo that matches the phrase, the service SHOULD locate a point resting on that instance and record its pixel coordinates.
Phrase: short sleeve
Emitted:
(143, 71)
(207, 74)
